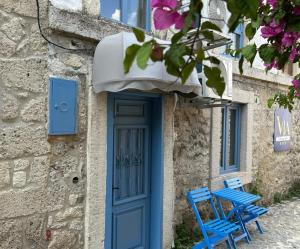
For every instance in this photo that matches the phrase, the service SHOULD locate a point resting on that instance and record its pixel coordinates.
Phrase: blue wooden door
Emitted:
(131, 174)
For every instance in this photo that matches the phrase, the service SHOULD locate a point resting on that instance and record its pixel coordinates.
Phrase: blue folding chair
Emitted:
(251, 212)
(214, 231)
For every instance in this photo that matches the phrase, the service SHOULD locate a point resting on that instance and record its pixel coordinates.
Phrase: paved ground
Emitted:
(282, 228)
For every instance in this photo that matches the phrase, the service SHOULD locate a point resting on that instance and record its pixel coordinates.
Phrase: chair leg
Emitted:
(244, 229)
(229, 243)
(259, 227)
(232, 242)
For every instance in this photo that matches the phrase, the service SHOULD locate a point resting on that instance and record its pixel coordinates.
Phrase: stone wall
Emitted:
(191, 152)
(42, 179)
(271, 172)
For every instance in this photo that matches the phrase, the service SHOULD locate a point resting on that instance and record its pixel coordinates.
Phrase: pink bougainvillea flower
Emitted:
(273, 3)
(180, 21)
(273, 64)
(164, 3)
(289, 38)
(293, 54)
(272, 29)
(296, 10)
(164, 19)
(297, 95)
(296, 83)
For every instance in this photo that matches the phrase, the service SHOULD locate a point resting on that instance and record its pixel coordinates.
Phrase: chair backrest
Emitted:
(234, 183)
(198, 195)
(201, 195)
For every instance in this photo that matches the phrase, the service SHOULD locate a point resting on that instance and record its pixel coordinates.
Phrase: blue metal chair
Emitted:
(251, 212)
(214, 231)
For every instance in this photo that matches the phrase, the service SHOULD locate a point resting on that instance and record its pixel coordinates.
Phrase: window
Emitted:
(134, 12)
(230, 138)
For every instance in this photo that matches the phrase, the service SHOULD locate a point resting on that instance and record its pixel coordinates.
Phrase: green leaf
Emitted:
(130, 55)
(213, 60)
(187, 70)
(188, 22)
(210, 25)
(208, 35)
(250, 31)
(214, 79)
(175, 38)
(267, 53)
(175, 54)
(252, 6)
(295, 26)
(200, 54)
(196, 6)
(139, 34)
(143, 55)
(172, 69)
(241, 62)
(256, 23)
(249, 52)
(270, 102)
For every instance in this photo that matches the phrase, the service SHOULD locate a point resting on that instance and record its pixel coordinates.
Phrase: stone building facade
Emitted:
(53, 188)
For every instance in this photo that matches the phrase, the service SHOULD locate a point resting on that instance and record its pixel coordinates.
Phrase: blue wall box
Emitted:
(62, 107)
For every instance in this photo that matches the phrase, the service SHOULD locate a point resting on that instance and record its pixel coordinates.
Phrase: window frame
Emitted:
(224, 140)
(123, 6)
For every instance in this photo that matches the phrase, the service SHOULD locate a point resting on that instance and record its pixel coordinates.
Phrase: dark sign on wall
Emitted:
(282, 129)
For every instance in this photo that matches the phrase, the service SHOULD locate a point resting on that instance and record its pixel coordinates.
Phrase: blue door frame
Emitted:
(156, 166)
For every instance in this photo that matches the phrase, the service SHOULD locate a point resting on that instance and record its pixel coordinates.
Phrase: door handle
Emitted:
(114, 188)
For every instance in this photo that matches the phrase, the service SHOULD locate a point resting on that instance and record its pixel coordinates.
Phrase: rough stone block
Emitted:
(28, 201)
(68, 164)
(33, 44)
(22, 141)
(39, 171)
(62, 240)
(25, 74)
(73, 199)
(14, 28)
(7, 46)
(33, 227)
(24, 7)
(9, 107)
(19, 179)
(73, 212)
(11, 234)
(34, 110)
(21, 164)
(56, 193)
(76, 224)
(4, 174)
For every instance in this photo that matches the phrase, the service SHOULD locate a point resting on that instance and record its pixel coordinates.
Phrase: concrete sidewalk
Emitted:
(281, 225)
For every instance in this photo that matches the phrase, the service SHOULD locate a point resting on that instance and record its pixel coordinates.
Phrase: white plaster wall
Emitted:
(96, 171)
(72, 5)
(169, 194)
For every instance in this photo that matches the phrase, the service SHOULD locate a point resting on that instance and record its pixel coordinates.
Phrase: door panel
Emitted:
(130, 163)
(130, 195)
(129, 226)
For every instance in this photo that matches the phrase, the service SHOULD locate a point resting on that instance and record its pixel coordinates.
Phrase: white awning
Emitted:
(108, 72)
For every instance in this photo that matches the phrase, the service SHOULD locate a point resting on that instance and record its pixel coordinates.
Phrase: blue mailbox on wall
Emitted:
(62, 107)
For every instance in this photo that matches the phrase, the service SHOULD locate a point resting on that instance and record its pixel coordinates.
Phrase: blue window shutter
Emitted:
(62, 106)
(240, 33)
